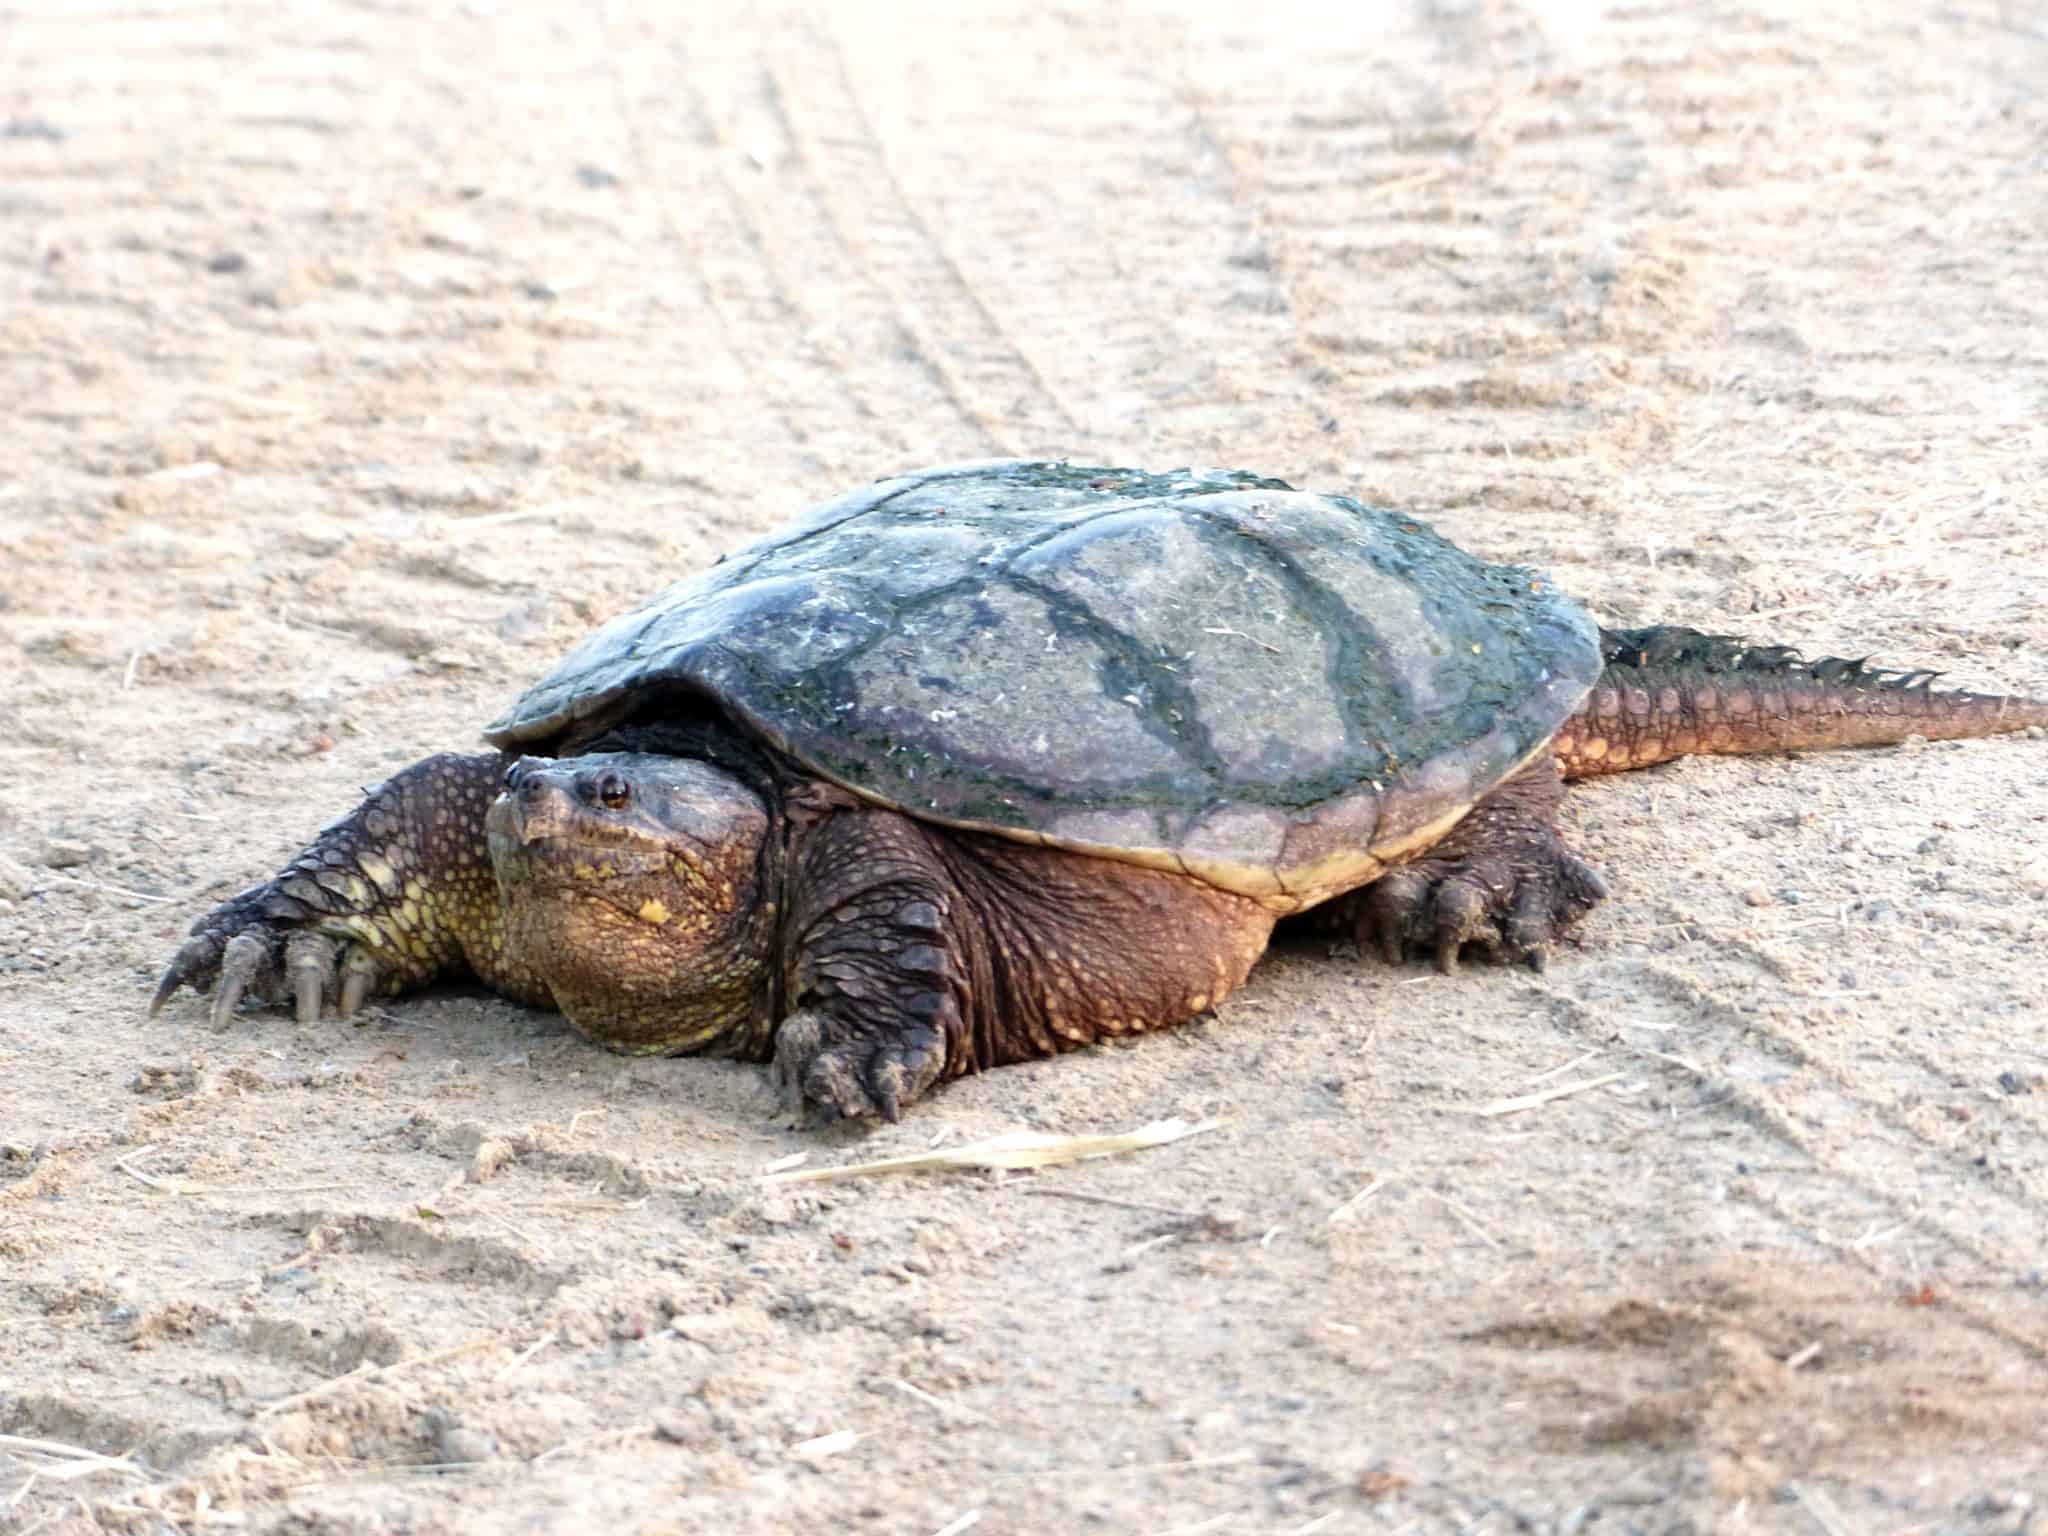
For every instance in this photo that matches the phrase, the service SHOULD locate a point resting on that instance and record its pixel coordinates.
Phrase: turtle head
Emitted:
(633, 884)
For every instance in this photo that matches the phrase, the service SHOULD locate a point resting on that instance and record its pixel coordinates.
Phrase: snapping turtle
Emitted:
(993, 760)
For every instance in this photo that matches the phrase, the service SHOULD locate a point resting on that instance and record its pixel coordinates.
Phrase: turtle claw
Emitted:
(240, 954)
(1384, 910)
(309, 960)
(883, 1090)
(194, 965)
(798, 1039)
(358, 980)
(855, 1078)
(243, 963)
(1460, 916)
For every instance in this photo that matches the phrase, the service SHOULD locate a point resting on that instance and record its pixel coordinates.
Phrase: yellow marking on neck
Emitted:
(652, 911)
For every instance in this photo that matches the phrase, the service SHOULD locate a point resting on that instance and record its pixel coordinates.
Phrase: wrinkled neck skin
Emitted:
(644, 889)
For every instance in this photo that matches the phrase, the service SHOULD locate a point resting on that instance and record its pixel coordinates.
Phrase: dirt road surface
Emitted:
(356, 359)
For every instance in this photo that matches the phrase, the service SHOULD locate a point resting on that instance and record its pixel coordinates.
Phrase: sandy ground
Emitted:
(356, 359)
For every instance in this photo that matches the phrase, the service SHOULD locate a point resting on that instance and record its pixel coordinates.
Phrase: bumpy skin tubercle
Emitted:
(395, 894)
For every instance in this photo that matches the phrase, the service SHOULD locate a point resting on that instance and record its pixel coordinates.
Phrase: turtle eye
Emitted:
(613, 792)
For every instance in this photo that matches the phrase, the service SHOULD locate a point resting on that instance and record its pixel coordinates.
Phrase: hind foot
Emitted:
(1502, 880)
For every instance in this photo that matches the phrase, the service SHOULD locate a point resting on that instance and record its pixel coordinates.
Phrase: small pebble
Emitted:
(65, 853)
(175, 1080)
(2014, 1084)
(1757, 896)
(1944, 914)
(226, 263)
(456, 1443)
(459, 1444)
(32, 128)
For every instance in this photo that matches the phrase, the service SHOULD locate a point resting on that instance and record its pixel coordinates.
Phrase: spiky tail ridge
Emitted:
(1669, 692)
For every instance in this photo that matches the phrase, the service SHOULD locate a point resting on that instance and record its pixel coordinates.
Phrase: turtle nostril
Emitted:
(523, 779)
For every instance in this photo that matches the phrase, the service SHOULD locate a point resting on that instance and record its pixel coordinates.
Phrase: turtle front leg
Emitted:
(875, 970)
(1502, 879)
(386, 899)
(916, 952)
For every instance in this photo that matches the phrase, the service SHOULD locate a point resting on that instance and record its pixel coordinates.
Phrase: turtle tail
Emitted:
(1668, 692)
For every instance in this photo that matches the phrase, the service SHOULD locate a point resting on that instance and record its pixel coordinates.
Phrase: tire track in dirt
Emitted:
(1089, 129)
(213, 222)
(952, 329)
(1771, 1373)
(1844, 1119)
(310, 1300)
(841, 317)
(727, 268)
(276, 1297)
(1749, 138)
(838, 317)
(1480, 337)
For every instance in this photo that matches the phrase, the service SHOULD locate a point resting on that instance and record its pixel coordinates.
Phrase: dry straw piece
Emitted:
(1012, 1149)
(1546, 1096)
(837, 1443)
(60, 1462)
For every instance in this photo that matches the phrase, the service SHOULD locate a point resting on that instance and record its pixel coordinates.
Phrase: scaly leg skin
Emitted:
(874, 983)
(393, 895)
(1502, 879)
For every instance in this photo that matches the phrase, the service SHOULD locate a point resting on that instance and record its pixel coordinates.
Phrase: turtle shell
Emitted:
(1275, 691)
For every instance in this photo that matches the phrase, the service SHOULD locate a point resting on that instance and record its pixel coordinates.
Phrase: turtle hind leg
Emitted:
(1501, 880)
(1672, 692)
